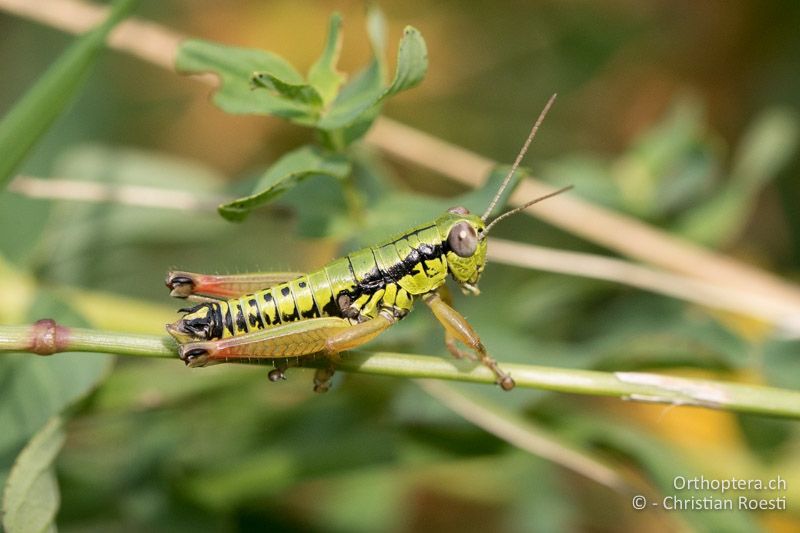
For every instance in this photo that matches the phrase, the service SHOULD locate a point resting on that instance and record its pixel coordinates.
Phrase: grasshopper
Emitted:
(285, 317)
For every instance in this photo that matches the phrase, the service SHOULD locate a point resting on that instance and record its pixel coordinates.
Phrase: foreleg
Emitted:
(458, 328)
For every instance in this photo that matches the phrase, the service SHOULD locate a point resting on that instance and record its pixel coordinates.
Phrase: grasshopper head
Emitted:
(465, 247)
(465, 234)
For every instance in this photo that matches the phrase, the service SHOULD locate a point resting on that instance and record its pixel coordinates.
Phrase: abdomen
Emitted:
(354, 287)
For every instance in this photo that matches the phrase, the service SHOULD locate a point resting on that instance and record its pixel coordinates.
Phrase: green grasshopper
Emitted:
(283, 317)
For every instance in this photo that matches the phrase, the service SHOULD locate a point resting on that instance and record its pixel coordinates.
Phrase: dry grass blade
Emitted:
(134, 195)
(524, 435)
(784, 315)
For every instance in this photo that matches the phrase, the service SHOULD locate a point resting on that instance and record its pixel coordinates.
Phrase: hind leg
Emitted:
(327, 335)
(196, 286)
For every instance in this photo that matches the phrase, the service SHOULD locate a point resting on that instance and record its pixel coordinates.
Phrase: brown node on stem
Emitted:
(47, 337)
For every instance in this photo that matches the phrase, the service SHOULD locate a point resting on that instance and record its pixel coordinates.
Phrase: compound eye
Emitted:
(463, 240)
(458, 210)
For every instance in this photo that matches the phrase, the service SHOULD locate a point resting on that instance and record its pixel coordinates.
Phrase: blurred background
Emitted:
(681, 114)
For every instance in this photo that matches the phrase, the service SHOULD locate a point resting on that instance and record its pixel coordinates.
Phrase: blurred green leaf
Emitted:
(45, 101)
(31, 495)
(668, 165)
(367, 499)
(642, 331)
(367, 83)
(767, 437)
(526, 435)
(399, 212)
(781, 364)
(767, 147)
(412, 64)
(71, 248)
(132, 166)
(589, 174)
(377, 33)
(395, 214)
(341, 117)
(323, 75)
(548, 305)
(258, 475)
(235, 67)
(101, 243)
(297, 165)
(302, 93)
(320, 208)
(29, 219)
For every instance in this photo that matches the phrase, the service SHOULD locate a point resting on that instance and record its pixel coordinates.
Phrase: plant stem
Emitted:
(22, 339)
(634, 386)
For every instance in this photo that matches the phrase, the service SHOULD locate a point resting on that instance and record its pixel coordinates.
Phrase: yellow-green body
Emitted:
(356, 287)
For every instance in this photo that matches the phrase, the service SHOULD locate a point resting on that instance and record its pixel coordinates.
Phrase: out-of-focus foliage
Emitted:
(162, 448)
(339, 117)
(44, 102)
(31, 497)
(672, 175)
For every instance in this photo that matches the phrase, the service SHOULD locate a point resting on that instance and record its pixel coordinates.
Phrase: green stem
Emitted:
(21, 339)
(634, 386)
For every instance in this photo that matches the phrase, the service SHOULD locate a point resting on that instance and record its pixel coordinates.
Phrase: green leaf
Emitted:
(302, 163)
(31, 496)
(412, 64)
(781, 363)
(319, 206)
(641, 331)
(370, 80)
(653, 175)
(323, 75)
(377, 33)
(48, 98)
(29, 218)
(766, 148)
(366, 84)
(345, 116)
(96, 244)
(89, 242)
(302, 92)
(235, 67)
(766, 437)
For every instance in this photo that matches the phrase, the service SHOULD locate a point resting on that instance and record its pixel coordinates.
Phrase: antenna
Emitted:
(526, 205)
(521, 154)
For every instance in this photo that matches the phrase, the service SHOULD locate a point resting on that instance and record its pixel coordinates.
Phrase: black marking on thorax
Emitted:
(377, 279)
(331, 308)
